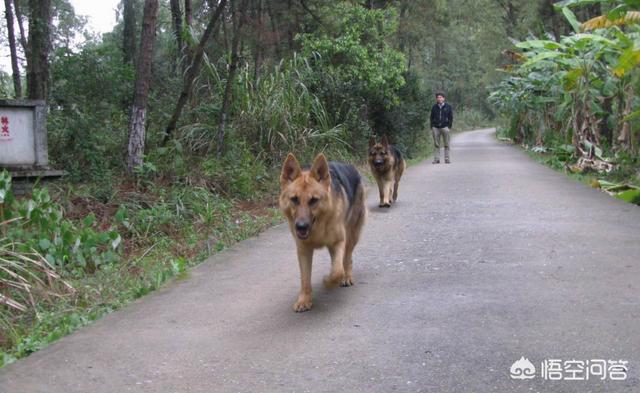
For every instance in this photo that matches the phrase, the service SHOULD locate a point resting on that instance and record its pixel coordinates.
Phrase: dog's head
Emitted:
(305, 194)
(379, 152)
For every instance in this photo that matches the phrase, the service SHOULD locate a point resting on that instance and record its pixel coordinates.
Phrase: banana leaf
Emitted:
(632, 196)
(571, 18)
(539, 44)
(616, 187)
(629, 60)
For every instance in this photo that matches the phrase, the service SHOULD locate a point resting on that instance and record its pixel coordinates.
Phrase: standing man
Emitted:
(441, 122)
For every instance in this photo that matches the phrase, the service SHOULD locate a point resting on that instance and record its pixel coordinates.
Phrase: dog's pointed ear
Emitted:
(320, 170)
(385, 141)
(290, 170)
(372, 141)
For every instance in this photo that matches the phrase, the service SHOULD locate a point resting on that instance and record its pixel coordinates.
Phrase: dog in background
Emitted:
(325, 207)
(387, 166)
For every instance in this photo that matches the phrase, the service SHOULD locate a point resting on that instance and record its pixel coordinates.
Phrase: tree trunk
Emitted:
(552, 20)
(625, 134)
(176, 17)
(274, 30)
(290, 29)
(259, 42)
(192, 72)
(39, 47)
(605, 129)
(17, 84)
(23, 37)
(188, 13)
(238, 21)
(129, 32)
(143, 79)
(402, 27)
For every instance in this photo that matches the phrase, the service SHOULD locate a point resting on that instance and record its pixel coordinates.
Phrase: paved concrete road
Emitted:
(481, 262)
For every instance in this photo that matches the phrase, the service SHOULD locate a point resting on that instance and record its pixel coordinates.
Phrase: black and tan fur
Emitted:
(325, 207)
(387, 166)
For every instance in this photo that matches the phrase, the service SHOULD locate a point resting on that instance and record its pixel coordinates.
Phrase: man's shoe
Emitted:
(446, 161)
(436, 161)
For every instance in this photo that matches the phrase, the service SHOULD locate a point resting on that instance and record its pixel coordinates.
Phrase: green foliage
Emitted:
(279, 114)
(355, 72)
(87, 121)
(405, 122)
(238, 173)
(560, 86)
(353, 52)
(631, 196)
(38, 224)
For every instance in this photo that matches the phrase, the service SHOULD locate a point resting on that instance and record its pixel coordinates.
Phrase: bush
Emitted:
(38, 224)
(354, 71)
(88, 116)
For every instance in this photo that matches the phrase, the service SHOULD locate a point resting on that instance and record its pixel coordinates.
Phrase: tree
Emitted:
(512, 18)
(192, 71)
(142, 83)
(238, 18)
(39, 47)
(129, 31)
(17, 84)
(551, 20)
(23, 36)
(176, 18)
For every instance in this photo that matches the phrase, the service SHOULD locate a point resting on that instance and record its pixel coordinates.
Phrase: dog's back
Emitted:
(346, 181)
(397, 157)
(344, 177)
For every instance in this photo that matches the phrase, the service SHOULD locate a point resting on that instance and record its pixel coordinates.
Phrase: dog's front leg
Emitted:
(381, 191)
(305, 258)
(337, 265)
(389, 192)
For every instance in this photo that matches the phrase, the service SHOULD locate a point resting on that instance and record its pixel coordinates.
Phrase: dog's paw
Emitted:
(303, 304)
(347, 282)
(332, 280)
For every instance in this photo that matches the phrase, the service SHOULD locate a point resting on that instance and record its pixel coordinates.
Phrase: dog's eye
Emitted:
(313, 201)
(295, 200)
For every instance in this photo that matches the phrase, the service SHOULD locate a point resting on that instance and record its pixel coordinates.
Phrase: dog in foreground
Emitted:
(387, 166)
(325, 207)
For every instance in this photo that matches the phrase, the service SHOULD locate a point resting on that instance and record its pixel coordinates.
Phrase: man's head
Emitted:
(439, 98)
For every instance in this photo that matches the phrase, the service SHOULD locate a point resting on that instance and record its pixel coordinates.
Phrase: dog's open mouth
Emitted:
(303, 233)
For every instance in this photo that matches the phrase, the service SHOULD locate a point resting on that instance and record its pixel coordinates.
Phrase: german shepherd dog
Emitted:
(325, 207)
(387, 165)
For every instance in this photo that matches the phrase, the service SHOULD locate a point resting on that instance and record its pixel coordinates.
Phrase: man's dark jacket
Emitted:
(441, 117)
